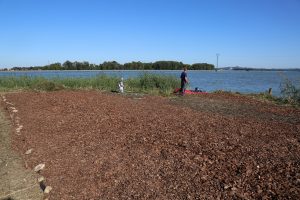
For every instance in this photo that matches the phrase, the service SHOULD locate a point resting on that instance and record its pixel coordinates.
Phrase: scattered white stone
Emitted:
(28, 151)
(47, 189)
(19, 128)
(15, 110)
(226, 187)
(26, 165)
(17, 120)
(41, 179)
(9, 103)
(39, 167)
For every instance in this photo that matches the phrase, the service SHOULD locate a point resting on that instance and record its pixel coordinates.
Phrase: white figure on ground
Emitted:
(121, 86)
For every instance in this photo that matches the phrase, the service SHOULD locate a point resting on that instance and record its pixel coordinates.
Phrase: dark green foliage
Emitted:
(113, 65)
(54, 66)
(167, 65)
(68, 65)
(135, 65)
(202, 66)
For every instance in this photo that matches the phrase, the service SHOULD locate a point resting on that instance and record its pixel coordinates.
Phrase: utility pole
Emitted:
(217, 60)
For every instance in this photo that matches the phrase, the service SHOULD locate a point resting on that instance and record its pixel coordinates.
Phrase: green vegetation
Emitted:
(290, 92)
(283, 100)
(276, 100)
(145, 83)
(150, 83)
(24, 82)
(113, 65)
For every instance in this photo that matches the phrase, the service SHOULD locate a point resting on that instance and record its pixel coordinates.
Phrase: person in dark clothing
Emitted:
(184, 80)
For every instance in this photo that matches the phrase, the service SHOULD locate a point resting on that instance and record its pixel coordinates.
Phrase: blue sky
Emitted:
(248, 33)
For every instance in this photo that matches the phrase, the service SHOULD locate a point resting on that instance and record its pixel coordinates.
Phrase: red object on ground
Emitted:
(177, 90)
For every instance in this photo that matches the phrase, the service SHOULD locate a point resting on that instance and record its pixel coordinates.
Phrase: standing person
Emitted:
(184, 80)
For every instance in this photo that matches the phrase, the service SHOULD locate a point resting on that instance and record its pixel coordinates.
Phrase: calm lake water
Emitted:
(229, 80)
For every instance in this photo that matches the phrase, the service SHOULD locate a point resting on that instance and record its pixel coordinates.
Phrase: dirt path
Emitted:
(15, 181)
(105, 146)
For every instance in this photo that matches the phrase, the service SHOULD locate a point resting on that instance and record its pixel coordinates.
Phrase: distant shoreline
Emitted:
(219, 69)
(256, 69)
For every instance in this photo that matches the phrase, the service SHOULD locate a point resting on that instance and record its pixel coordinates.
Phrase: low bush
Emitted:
(290, 92)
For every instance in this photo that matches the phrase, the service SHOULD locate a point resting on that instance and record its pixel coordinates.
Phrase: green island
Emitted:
(113, 65)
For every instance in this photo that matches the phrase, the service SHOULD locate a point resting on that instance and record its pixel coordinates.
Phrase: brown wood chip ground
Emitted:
(107, 146)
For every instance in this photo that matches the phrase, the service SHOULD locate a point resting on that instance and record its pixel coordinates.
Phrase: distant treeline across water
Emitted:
(113, 65)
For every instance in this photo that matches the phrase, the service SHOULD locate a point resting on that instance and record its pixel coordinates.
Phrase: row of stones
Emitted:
(39, 167)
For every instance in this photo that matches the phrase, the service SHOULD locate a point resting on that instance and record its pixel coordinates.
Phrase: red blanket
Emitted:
(177, 90)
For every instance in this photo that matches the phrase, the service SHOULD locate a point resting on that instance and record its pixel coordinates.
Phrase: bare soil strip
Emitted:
(105, 146)
(16, 182)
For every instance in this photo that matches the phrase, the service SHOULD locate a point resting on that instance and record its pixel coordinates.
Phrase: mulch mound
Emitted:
(108, 146)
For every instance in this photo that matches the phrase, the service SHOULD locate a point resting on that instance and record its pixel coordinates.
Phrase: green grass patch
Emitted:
(265, 96)
(145, 83)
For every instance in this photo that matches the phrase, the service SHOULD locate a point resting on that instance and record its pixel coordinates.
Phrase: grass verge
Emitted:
(145, 83)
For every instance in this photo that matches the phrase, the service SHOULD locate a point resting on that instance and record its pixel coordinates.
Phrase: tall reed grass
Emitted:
(153, 83)
(145, 83)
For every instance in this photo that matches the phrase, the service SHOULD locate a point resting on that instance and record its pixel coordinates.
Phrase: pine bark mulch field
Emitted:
(107, 146)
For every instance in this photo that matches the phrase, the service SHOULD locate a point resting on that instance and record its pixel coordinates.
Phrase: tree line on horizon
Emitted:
(113, 65)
